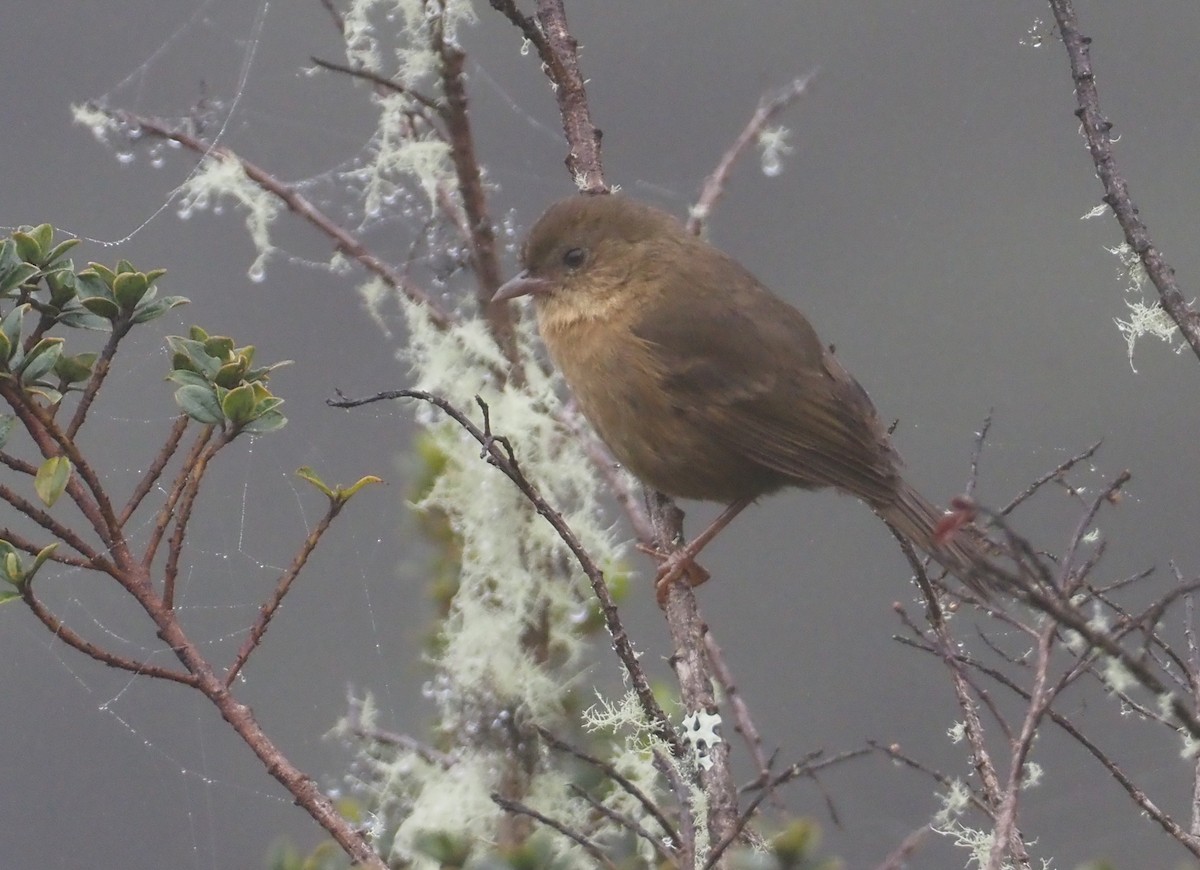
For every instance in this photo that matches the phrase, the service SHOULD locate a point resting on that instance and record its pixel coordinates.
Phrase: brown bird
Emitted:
(702, 382)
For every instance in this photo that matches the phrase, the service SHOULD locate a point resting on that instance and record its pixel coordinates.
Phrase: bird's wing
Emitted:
(749, 371)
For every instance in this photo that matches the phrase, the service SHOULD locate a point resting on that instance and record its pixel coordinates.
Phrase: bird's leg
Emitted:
(682, 561)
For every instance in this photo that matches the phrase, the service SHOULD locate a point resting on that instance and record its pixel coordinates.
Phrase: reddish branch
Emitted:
(485, 260)
(559, 53)
(342, 240)
(769, 107)
(282, 585)
(499, 453)
(1097, 130)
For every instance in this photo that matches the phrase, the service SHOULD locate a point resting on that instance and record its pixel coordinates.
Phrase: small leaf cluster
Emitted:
(219, 385)
(13, 571)
(47, 291)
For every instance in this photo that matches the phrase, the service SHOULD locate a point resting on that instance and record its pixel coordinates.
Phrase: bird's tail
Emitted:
(959, 550)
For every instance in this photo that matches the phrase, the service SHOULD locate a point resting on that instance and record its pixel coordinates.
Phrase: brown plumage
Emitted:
(699, 379)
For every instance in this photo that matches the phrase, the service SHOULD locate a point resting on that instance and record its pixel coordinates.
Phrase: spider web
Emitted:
(186, 786)
(144, 773)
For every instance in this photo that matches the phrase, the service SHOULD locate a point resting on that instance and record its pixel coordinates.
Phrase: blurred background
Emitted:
(928, 221)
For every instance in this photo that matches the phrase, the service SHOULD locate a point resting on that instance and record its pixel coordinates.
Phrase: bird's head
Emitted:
(589, 255)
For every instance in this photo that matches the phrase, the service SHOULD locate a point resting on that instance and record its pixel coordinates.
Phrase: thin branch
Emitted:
(89, 649)
(977, 453)
(342, 241)
(100, 371)
(693, 669)
(612, 773)
(769, 107)
(379, 80)
(338, 21)
(163, 518)
(743, 721)
(154, 472)
(484, 254)
(1097, 130)
(898, 858)
(587, 845)
(269, 607)
(59, 532)
(559, 53)
(808, 766)
(895, 753)
(498, 453)
(1054, 474)
(624, 821)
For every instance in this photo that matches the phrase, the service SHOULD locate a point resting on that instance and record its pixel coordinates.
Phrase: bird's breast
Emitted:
(620, 385)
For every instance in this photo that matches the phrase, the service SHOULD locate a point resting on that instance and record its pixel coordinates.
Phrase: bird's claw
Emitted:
(674, 566)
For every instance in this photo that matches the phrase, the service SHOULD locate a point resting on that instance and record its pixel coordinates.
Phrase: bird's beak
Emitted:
(522, 284)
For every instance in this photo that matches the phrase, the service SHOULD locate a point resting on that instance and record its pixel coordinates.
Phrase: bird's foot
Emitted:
(674, 566)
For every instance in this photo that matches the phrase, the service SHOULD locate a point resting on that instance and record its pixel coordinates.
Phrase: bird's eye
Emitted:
(573, 258)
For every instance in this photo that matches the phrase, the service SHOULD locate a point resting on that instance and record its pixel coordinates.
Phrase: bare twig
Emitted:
(282, 585)
(1054, 474)
(89, 649)
(623, 821)
(587, 845)
(388, 85)
(769, 107)
(808, 766)
(743, 721)
(498, 453)
(612, 773)
(341, 239)
(154, 472)
(559, 53)
(1097, 130)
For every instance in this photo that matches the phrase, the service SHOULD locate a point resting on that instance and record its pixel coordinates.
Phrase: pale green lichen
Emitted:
(1143, 319)
(220, 177)
(487, 675)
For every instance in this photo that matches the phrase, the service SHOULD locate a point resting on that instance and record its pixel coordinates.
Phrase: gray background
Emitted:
(928, 223)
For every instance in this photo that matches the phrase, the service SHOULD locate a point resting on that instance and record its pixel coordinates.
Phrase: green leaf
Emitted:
(58, 250)
(154, 274)
(129, 288)
(39, 560)
(51, 479)
(357, 485)
(189, 354)
(238, 404)
(73, 369)
(44, 235)
(15, 277)
(10, 330)
(10, 564)
(40, 359)
(147, 312)
(8, 595)
(101, 307)
(98, 278)
(230, 374)
(28, 248)
(125, 266)
(185, 378)
(80, 318)
(199, 403)
(219, 346)
(63, 287)
(47, 392)
(265, 423)
(270, 403)
(6, 426)
(305, 472)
